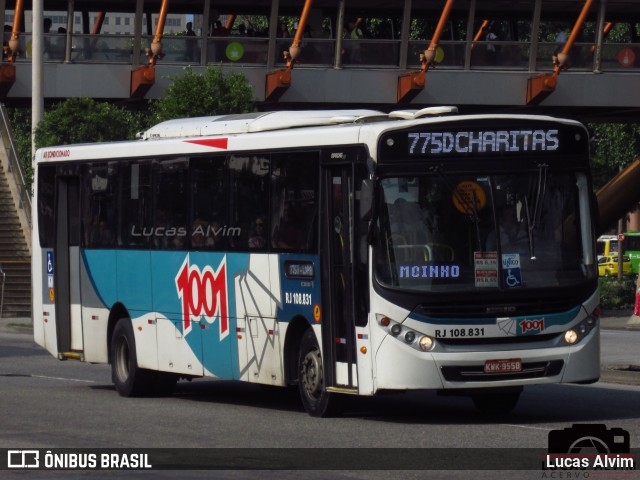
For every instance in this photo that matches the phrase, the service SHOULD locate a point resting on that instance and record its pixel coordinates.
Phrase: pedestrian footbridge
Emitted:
(571, 57)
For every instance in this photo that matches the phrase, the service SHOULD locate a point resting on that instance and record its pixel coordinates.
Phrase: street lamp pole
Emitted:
(37, 86)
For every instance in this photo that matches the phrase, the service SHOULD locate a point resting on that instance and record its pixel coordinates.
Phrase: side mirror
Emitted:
(366, 199)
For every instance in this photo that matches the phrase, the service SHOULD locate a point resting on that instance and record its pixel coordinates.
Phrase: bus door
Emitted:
(338, 328)
(66, 265)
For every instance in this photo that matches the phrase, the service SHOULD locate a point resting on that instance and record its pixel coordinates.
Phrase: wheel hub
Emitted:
(122, 360)
(312, 373)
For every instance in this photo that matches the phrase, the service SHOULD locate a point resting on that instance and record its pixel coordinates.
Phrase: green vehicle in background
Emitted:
(631, 245)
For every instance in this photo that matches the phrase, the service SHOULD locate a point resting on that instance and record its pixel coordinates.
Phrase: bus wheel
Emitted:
(316, 400)
(129, 379)
(496, 403)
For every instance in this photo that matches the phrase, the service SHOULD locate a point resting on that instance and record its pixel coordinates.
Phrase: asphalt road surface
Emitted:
(49, 404)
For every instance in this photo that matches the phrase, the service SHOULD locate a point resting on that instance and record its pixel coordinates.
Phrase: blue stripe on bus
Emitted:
(146, 282)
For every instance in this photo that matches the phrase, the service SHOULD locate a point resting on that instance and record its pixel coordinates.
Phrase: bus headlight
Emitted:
(424, 342)
(581, 330)
(571, 337)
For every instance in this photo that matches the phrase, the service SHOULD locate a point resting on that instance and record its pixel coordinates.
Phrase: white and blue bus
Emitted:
(344, 251)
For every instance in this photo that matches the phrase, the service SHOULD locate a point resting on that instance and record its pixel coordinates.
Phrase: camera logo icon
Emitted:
(583, 438)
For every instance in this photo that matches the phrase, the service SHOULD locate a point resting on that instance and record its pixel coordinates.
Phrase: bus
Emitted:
(631, 247)
(608, 245)
(345, 252)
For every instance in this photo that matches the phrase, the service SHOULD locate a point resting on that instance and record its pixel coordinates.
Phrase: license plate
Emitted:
(503, 365)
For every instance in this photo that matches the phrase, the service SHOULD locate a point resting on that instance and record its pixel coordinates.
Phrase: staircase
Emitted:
(15, 254)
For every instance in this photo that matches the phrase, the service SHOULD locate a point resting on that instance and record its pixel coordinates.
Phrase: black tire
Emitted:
(129, 379)
(496, 403)
(315, 399)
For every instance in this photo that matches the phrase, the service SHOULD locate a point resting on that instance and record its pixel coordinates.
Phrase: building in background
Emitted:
(115, 23)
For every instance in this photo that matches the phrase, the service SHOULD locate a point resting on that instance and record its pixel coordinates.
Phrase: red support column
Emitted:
(634, 320)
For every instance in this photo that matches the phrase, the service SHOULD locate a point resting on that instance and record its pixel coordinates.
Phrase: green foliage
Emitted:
(623, 32)
(616, 145)
(195, 95)
(21, 128)
(259, 24)
(83, 120)
(618, 294)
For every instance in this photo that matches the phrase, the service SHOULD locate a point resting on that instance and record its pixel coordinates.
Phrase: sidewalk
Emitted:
(619, 320)
(624, 373)
(16, 325)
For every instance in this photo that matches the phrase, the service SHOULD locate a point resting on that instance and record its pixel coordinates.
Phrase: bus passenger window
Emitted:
(287, 234)
(170, 220)
(209, 199)
(249, 179)
(294, 213)
(258, 236)
(46, 202)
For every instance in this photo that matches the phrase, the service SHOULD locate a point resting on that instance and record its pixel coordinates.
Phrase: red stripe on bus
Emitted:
(211, 142)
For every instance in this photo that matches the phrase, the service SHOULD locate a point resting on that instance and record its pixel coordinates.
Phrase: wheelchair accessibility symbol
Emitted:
(49, 263)
(511, 279)
(511, 270)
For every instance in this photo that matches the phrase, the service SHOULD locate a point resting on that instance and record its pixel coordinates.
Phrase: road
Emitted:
(51, 404)
(620, 347)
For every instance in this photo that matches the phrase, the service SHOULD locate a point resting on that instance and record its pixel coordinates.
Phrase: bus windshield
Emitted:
(448, 233)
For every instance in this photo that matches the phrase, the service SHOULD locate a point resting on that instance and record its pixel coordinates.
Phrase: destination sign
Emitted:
(299, 269)
(425, 144)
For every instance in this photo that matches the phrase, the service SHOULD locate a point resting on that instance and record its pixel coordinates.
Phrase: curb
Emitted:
(633, 322)
(621, 374)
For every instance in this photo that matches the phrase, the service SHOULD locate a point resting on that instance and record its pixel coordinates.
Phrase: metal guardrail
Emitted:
(15, 167)
(4, 278)
(385, 53)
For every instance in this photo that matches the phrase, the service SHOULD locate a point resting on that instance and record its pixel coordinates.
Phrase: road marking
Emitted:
(620, 333)
(62, 378)
(524, 426)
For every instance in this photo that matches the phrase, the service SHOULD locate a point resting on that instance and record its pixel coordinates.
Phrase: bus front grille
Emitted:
(489, 341)
(453, 373)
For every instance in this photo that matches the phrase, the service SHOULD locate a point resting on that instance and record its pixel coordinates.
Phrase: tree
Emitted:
(616, 145)
(82, 120)
(21, 128)
(196, 95)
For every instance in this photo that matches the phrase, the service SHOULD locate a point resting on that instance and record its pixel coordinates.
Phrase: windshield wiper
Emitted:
(534, 219)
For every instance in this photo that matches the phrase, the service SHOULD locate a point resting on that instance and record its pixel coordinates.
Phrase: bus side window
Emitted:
(135, 207)
(249, 199)
(170, 219)
(46, 202)
(99, 205)
(288, 233)
(294, 209)
(209, 199)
